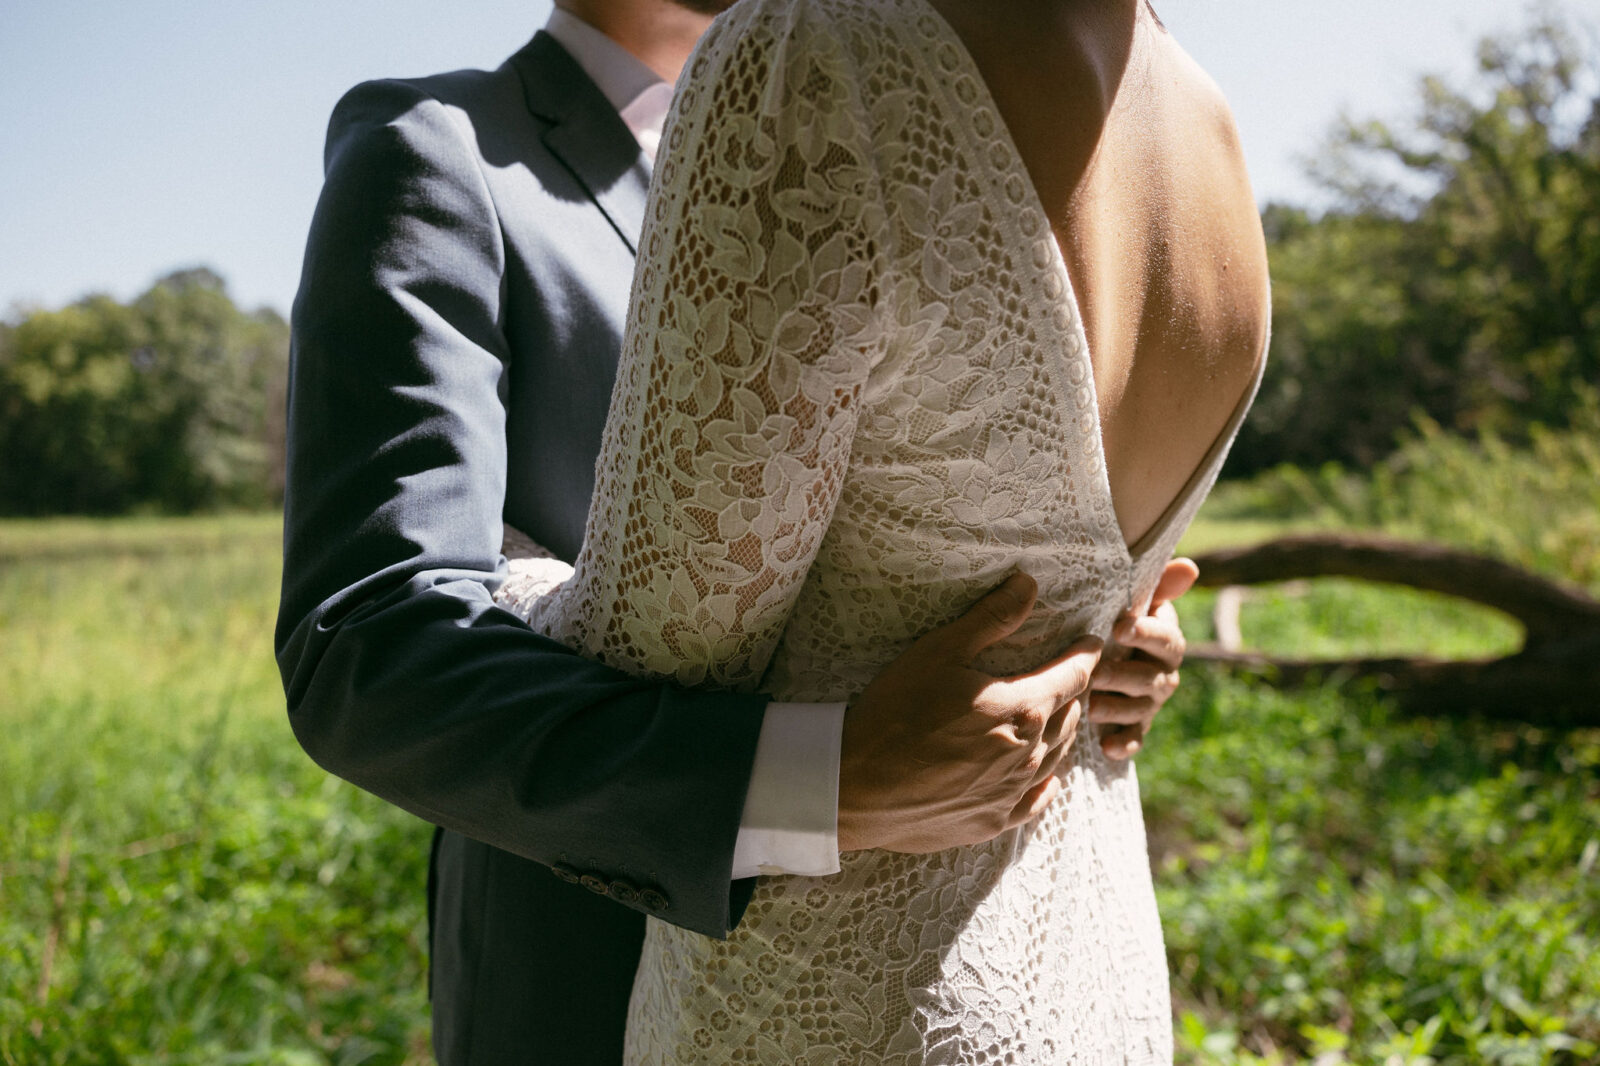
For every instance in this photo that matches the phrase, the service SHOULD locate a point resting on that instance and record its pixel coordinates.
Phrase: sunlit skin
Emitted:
(660, 33)
(1137, 163)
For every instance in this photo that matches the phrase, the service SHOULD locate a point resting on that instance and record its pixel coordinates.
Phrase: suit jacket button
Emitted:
(623, 892)
(593, 883)
(565, 872)
(650, 899)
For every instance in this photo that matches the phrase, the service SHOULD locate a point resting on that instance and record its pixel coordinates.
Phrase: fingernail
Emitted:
(1090, 643)
(1015, 587)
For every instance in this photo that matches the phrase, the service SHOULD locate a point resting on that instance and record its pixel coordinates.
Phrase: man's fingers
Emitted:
(1051, 767)
(1063, 724)
(1056, 743)
(991, 619)
(1108, 708)
(1123, 741)
(1157, 635)
(1062, 679)
(1177, 578)
(1135, 677)
(1034, 801)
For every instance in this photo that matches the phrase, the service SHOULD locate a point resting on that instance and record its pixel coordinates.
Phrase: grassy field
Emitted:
(179, 884)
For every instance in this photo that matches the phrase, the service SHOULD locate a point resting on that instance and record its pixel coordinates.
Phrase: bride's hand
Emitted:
(936, 754)
(1128, 692)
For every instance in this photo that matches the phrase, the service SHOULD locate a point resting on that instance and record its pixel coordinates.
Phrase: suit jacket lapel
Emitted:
(585, 132)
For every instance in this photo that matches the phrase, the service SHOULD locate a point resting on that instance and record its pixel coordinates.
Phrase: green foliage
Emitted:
(1339, 884)
(1535, 503)
(1459, 274)
(1355, 886)
(172, 402)
(203, 893)
(1336, 882)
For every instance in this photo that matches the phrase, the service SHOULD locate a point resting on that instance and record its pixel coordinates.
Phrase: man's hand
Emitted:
(1128, 691)
(936, 754)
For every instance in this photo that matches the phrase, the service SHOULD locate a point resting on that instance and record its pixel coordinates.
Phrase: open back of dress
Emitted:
(854, 396)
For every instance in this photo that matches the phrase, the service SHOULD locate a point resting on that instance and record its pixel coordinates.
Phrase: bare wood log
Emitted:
(1547, 610)
(1521, 688)
(1553, 680)
(1225, 618)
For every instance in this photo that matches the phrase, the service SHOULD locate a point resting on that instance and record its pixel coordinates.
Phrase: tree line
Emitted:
(1456, 278)
(171, 402)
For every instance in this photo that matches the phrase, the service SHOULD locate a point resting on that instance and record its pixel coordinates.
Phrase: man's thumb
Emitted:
(996, 616)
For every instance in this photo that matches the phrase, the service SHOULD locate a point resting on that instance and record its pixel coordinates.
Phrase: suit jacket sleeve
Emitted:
(401, 674)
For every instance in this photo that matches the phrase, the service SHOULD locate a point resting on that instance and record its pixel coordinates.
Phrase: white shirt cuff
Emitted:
(790, 823)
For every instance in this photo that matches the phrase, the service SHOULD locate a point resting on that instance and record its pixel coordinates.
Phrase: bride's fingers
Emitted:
(1123, 721)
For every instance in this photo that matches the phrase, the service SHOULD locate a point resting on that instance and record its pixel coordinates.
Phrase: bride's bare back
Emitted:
(1136, 160)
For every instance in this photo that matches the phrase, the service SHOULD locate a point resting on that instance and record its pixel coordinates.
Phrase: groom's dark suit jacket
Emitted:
(455, 340)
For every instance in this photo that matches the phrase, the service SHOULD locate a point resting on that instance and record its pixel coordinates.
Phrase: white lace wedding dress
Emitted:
(854, 396)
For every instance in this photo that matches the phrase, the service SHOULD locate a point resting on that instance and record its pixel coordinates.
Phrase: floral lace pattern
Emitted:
(854, 395)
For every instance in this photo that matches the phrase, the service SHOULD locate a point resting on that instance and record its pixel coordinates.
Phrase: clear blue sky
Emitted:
(143, 136)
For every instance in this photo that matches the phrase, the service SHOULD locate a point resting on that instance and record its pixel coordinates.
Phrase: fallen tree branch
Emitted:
(1553, 680)
(1542, 606)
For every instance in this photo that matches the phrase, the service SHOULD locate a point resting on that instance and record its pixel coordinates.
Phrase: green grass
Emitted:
(1342, 884)
(179, 884)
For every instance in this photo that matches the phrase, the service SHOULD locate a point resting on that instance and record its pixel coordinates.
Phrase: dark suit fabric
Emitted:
(455, 340)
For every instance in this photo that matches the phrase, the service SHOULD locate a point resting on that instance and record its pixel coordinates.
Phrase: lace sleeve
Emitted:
(532, 572)
(755, 320)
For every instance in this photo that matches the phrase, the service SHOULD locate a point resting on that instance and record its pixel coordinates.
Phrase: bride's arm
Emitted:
(532, 572)
(756, 317)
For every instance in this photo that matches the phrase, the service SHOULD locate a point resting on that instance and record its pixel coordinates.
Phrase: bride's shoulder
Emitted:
(1203, 147)
(815, 12)
(779, 47)
(834, 25)
(1199, 96)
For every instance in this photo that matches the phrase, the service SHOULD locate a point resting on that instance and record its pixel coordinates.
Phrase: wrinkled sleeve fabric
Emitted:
(790, 822)
(757, 317)
(401, 673)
